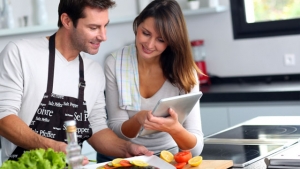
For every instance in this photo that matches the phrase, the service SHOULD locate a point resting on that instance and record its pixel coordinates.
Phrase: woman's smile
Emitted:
(147, 51)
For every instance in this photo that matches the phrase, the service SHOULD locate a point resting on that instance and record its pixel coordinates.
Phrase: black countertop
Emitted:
(252, 89)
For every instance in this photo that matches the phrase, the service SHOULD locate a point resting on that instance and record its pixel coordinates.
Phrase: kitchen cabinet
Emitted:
(113, 20)
(219, 116)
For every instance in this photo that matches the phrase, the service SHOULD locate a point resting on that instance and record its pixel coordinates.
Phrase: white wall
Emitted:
(228, 57)
(225, 56)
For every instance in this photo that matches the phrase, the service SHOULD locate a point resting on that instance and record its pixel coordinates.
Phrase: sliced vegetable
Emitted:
(179, 165)
(116, 162)
(139, 163)
(107, 167)
(183, 156)
(195, 161)
(167, 156)
(125, 163)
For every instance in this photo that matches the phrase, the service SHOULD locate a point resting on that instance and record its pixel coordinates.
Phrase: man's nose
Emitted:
(102, 34)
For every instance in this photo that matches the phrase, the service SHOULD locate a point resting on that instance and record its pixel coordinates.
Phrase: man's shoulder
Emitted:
(31, 42)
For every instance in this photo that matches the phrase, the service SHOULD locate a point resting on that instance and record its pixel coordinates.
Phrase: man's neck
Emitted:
(64, 45)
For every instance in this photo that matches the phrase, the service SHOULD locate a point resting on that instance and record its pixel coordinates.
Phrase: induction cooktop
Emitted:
(241, 155)
(261, 132)
(246, 144)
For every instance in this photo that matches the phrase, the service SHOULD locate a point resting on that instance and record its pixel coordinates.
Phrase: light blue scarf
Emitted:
(128, 78)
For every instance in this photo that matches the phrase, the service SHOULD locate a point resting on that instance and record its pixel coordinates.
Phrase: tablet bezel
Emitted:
(181, 104)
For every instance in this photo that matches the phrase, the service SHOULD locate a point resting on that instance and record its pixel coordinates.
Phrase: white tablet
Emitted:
(182, 105)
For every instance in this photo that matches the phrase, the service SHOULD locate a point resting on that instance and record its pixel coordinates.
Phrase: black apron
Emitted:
(54, 110)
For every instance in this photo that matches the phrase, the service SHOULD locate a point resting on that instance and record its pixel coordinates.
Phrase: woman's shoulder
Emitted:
(122, 55)
(110, 60)
(125, 51)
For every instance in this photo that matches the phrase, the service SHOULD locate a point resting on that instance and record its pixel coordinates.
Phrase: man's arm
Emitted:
(18, 132)
(107, 142)
(12, 90)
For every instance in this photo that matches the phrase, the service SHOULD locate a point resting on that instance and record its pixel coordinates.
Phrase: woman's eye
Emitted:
(93, 28)
(145, 33)
(161, 40)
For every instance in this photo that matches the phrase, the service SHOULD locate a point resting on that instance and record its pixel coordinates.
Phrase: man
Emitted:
(45, 81)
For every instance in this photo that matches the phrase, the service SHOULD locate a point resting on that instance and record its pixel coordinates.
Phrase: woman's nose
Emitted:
(151, 43)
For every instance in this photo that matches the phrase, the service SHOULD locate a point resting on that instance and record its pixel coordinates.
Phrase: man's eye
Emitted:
(93, 28)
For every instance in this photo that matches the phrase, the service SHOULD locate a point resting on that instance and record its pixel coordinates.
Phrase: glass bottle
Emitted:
(74, 157)
(7, 14)
(40, 12)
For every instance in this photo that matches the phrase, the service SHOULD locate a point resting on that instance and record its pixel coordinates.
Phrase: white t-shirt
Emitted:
(23, 82)
(154, 142)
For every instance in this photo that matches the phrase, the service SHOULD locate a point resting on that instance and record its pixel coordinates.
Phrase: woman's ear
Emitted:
(66, 21)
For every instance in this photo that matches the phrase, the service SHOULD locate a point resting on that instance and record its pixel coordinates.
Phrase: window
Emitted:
(261, 18)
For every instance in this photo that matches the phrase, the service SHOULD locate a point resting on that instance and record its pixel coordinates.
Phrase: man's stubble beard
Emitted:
(78, 42)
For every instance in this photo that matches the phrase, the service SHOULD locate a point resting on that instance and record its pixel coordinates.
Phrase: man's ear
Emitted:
(66, 21)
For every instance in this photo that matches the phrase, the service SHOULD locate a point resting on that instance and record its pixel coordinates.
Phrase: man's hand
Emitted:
(60, 146)
(107, 142)
(137, 150)
(85, 161)
(30, 139)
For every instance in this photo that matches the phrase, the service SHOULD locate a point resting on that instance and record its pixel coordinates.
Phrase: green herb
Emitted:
(37, 159)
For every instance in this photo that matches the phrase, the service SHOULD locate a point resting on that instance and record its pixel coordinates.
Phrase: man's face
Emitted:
(90, 31)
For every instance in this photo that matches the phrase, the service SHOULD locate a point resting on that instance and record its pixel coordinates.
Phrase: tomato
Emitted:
(183, 157)
(125, 163)
(179, 165)
(108, 167)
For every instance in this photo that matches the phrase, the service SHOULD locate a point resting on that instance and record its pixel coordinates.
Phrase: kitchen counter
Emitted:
(261, 120)
(249, 89)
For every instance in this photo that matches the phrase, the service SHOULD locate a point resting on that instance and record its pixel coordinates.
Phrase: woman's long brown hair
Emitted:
(176, 61)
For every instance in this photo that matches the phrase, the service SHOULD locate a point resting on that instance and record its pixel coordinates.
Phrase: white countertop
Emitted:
(273, 120)
(261, 120)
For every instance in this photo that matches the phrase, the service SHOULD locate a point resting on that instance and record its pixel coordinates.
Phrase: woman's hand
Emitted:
(142, 116)
(168, 124)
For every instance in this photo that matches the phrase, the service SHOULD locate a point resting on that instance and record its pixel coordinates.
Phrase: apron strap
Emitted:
(51, 70)
(81, 80)
(51, 63)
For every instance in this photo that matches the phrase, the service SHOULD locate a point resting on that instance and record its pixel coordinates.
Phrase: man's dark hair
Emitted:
(74, 8)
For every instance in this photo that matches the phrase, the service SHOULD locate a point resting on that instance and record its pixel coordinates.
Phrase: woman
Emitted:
(158, 65)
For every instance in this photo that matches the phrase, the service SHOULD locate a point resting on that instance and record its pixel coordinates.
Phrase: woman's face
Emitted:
(148, 42)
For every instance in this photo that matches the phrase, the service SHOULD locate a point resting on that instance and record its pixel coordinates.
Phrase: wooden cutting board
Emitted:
(212, 164)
